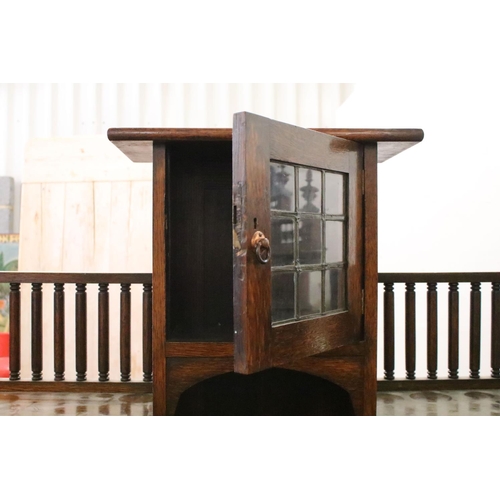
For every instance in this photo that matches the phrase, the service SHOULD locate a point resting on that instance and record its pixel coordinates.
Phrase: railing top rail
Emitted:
(439, 277)
(70, 278)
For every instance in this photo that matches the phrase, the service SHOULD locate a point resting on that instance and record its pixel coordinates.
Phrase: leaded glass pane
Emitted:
(310, 248)
(309, 292)
(283, 296)
(334, 194)
(335, 288)
(310, 190)
(282, 187)
(334, 242)
(282, 241)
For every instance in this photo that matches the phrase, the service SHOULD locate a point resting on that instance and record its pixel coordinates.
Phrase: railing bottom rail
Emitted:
(424, 384)
(81, 387)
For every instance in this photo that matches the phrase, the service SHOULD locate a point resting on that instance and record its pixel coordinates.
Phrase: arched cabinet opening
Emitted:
(272, 392)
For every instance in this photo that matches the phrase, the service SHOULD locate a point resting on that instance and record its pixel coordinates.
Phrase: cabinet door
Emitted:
(297, 240)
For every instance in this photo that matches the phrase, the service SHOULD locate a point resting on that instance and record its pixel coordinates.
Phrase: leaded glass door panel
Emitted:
(297, 242)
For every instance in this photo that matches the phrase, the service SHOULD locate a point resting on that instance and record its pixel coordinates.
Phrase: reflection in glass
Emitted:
(334, 290)
(309, 293)
(334, 241)
(310, 241)
(283, 299)
(282, 187)
(310, 190)
(282, 241)
(303, 237)
(334, 194)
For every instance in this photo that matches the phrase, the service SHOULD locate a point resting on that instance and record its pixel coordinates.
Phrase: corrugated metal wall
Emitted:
(29, 110)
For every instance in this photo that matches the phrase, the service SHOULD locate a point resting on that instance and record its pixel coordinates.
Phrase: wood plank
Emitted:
(52, 228)
(96, 278)
(159, 279)
(201, 349)
(439, 277)
(97, 387)
(137, 143)
(370, 278)
(30, 227)
(79, 159)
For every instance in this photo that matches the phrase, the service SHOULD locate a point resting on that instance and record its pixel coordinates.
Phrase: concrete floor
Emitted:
(430, 403)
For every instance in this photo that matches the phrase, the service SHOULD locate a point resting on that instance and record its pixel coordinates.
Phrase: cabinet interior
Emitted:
(199, 253)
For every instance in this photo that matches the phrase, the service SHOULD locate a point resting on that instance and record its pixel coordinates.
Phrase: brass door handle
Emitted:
(262, 247)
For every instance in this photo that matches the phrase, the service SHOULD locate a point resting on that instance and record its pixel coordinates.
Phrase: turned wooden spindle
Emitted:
(410, 329)
(125, 350)
(389, 331)
(81, 331)
(147, 330)
(453, 323)
(36, 332)
(475, 330)
(59, 332)
(495, 330)
(103, 332)
(432, 331)
(15, 331)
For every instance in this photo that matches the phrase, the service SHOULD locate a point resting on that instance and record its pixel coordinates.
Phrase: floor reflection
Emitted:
(407, 403)
(439, 403)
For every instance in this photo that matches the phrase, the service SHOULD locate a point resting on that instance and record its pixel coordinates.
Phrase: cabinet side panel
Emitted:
(371, 278)
(159, 278)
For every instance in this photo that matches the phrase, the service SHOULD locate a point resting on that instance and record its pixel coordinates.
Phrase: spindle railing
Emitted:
(125, 383)
(39, 282)
(388, 335)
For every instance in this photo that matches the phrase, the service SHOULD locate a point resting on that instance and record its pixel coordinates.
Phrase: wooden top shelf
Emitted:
(137, 143)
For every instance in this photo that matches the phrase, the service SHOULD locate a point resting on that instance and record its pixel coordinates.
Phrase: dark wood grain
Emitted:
(439, 277)
(81, 331)
(347, 351)
(432, 331)
(388, 331)
(22, 277)
(159, 278)
(103, 332)
(199, 260)
(312, 337)
(59, 332)
(251, 279)
(137, 143)
(346, 373)
(125, 333)
(183, 373)
(36, 332)
(453, 330)
(199, 349)
(370, 256)
(410, 329)
(495, 330)
(256, 141)
(77, 387)
(147, 333)
(186, 349)
(15, 332)
(475, 330)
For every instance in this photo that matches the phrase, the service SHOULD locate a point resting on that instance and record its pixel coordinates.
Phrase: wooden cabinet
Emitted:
(264, 265)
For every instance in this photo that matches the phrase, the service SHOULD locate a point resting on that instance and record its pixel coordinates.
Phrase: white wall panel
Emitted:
(32, 110)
